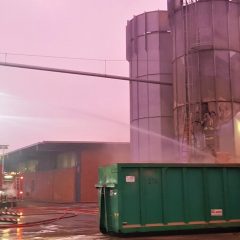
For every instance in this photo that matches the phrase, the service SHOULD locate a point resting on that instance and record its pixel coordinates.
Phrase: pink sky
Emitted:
(37, 106)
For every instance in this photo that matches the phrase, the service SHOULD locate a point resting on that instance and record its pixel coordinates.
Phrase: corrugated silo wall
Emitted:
(149, 52)
(206, 52)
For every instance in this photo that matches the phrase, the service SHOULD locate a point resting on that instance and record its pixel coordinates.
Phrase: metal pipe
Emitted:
(75, 72)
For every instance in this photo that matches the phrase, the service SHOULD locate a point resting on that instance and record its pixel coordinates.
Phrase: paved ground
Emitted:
(84, 225)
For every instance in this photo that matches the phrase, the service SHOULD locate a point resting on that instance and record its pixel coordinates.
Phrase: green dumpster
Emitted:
(168, 197)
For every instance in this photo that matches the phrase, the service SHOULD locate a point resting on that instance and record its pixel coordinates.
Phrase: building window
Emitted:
(66, 160)
(28, 166)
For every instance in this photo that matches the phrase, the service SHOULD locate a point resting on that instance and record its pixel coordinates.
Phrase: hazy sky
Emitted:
(37, 106)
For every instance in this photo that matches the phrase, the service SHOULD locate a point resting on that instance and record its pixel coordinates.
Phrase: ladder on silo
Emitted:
(188, 134)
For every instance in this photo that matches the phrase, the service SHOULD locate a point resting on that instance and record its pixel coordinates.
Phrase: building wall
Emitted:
(38, 185)
(51, 186)
(65, 183)
(91, 160)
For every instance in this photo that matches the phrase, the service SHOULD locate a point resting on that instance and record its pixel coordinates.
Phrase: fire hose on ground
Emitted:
(14, 222)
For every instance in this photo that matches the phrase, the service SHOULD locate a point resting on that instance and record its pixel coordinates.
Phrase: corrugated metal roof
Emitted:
(54, 146)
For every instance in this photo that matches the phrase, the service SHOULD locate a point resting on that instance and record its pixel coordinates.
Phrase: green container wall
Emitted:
(160, 197)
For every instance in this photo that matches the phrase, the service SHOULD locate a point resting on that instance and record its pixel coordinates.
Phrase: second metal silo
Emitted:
(149, 52)
(206, 70)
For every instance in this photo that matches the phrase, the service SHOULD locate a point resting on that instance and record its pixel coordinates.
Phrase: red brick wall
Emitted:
(44, 186)
(91, 160)
(59, 185)
(64, 185)
(38, 186)
(50, 186)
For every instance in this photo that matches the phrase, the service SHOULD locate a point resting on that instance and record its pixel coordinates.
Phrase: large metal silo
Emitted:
(149, 52)
(206, 73)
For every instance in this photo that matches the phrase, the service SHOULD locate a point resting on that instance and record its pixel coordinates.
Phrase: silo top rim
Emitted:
(160, 11)
(175, 5)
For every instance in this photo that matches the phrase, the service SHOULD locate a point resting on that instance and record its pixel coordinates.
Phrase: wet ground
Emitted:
(77, 221)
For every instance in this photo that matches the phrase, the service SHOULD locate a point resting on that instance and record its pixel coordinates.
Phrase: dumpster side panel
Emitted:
(173, 192)
(130, 192)
(233, 192)
(108, 199)
(156, 197)
(194, 203)
(215, 193)
(151, 196)
(112, 209)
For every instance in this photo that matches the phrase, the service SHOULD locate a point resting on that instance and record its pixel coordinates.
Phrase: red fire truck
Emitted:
(11, 189)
